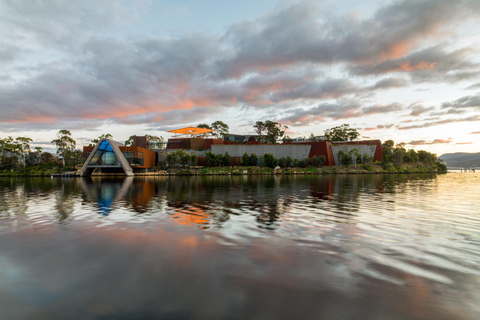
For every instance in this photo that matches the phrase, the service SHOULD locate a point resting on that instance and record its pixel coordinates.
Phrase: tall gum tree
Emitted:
(65, 145)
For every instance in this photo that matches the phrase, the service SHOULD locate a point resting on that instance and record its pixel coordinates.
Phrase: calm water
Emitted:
(287, 247)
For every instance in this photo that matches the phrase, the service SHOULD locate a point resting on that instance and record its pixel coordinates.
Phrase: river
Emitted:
(241, 247)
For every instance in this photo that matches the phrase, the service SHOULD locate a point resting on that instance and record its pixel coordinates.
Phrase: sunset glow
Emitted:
(392, 71)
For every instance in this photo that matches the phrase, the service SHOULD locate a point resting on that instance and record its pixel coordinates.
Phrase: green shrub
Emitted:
(253, 159)
(441, 165)
(388, 167)
(269, 160)
(318, 161)
(210, 160)
(172, 159)
(387, 155)
(302, 163)
(368, 167)
(411, 156)
(344, 158)
(398, 156)
(245, 159)
(227, 160)
(427, 157)
(194, 160)
(282, 162)
(289, 162)
(366, 159)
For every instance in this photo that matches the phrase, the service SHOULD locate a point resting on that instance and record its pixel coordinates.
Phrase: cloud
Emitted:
(380, 126)
(380, 109)
(418, 109)
(476, 132)
(439, 122)
(337, 110)
(473, 86)
(427, 64)
(424, 142)
(80, 72)
(470, 102)
(390, 83)
(57, 23)
(299, 34)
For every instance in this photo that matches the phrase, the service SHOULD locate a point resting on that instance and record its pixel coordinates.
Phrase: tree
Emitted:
(344, 157)
(356, 156)
(273, 130)
(253, 159)
(318, 161)
(312, 137)
(269, 160)
(103, 136)
(65, 145)
(46, 158)
(6, 145)
(388, 144)
(129, 141)
(341, 133)
(18, 147)
(221, 129)
(210, 160)
(155, 142)
(259, 127)
(399, 156)
(227, 160)
(204, 126)
(245, 159)
(172, 159)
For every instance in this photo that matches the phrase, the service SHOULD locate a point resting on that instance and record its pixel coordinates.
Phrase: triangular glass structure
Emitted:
(104, 155)
(107, 156)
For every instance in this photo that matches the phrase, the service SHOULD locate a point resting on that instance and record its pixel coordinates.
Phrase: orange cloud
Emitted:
(407, 66)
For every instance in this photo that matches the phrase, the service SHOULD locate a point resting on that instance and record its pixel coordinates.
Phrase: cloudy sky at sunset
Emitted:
(402, 70)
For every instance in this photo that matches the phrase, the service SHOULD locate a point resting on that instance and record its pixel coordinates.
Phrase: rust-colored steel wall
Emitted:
(148, 156)
(207, 143)
(174, 144)
(322, 148)
(196, 143)
(192, 143)
(140, 142)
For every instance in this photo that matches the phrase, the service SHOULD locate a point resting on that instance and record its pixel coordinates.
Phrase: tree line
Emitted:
(17, 153)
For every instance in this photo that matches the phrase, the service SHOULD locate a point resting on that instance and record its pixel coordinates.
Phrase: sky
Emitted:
(408, 71)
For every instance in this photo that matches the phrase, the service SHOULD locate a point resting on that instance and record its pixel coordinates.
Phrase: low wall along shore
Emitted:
(362, 149)
(294, 151)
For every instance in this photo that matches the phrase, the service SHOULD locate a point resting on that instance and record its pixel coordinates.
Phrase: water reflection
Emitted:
(237, 247)
(210, 202)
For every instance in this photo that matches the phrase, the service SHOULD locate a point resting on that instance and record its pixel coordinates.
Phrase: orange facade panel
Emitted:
(148, 156)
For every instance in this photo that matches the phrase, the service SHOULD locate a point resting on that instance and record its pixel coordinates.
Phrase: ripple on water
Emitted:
(395, 230)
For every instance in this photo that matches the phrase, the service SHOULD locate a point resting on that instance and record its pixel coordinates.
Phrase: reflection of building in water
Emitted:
(104, 192)
(140, 194)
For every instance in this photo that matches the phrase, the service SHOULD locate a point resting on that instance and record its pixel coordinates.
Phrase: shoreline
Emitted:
(376, 168)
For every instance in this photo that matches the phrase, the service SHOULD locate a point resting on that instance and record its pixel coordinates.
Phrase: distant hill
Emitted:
(461, 159)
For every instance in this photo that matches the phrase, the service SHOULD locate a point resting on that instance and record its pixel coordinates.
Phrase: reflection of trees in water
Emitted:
(17, 194)
(66, 197)
(211, 201)
(13, 198)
